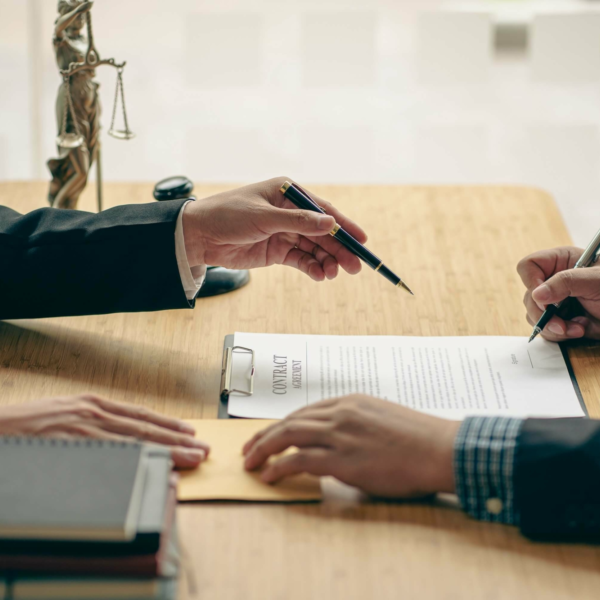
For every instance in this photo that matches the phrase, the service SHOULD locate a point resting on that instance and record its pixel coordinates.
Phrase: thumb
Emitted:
(304, 222)
(582, 283)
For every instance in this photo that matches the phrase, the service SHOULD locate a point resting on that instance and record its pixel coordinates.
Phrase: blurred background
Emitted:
(328, 91)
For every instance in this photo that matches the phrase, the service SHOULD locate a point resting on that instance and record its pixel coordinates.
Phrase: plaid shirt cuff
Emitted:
(484, 457)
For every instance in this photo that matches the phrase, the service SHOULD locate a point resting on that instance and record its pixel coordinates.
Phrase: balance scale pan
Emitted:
(121, 134)
(70, 140)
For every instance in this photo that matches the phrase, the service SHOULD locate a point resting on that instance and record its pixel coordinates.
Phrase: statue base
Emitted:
(221, 281)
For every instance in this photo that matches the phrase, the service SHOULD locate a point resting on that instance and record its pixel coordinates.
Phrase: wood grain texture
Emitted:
(457, 248)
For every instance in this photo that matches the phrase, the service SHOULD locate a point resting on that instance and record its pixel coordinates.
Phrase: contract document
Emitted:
(450, 377)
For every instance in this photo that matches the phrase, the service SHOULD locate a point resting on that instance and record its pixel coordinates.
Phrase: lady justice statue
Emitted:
(78, 105)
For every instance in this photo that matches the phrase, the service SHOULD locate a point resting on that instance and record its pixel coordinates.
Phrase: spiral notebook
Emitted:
(70, 489)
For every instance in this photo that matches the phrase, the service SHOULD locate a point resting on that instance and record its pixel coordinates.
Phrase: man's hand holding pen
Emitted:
(302, 199)
(549, 277)
(256, 226)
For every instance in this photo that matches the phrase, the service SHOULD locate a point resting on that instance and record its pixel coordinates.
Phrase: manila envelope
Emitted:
(223, 477)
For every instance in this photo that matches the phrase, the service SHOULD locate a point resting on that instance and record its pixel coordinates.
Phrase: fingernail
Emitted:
(185, 428)
(541, 294)
(198, 444)
(326, 223)
(555, 328)
(195, 455)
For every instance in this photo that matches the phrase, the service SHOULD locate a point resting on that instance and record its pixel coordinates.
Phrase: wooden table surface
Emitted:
(457, 247)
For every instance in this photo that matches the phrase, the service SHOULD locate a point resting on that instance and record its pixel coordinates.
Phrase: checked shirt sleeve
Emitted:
(484, 457)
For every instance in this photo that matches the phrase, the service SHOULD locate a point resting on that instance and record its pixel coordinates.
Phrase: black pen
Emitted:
(589, 257)
(303, 201)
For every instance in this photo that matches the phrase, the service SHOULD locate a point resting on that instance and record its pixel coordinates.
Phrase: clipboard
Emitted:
(227, 364)
(226, 376)
(564, 348)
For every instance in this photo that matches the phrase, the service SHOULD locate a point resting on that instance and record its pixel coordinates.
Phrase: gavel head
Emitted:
(173, 188)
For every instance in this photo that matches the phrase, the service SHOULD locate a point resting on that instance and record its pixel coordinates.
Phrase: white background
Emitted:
(336, 91)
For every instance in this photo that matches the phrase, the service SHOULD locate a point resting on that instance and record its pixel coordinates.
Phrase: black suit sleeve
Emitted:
(66, 262)
(557, 479)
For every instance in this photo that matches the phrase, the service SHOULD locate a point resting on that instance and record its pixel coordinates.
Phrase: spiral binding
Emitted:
(44, 442)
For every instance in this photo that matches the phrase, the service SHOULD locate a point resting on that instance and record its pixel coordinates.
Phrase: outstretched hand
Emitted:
(384, 449)
(549, 278)
(90, 416)
(256, 226)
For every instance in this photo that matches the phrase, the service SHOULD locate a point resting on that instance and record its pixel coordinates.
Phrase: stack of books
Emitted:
(86, 520)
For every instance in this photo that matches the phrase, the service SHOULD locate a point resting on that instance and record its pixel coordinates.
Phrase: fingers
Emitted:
(257, 436)
(294, 220)
(548, 332)
(591, 327)
(329, 263)
(315, 227)
(550, 278)
(580, 283)
(148, 432)
(140, 413)
(539, 266)
(187, 458)
(315, 411)
(306, 263)
(331, 267)
(284, 435)
(348, 261)
(141, 423)
(316, 461)
(559, 330)
(183, 458)
(348, 224)
(272, 192)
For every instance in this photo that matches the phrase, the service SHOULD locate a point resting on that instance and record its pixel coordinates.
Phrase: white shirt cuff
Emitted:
(192, 278)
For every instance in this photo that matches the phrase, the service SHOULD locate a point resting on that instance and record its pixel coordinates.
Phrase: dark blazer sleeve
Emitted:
(557, 479)
(66, 262)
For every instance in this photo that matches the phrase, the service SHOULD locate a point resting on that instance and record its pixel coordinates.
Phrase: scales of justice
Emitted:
(78, 117)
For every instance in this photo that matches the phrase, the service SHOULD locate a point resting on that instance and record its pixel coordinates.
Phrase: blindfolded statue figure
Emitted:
(77, 106)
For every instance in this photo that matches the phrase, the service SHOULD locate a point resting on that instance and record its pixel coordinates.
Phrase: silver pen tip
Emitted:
(402, 285)
(534, 334)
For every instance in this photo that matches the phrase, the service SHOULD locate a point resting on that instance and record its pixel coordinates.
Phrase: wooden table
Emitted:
(457, 247)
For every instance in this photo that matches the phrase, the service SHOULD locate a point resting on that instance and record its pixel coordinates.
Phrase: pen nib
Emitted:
(534, 334)
(402, 285)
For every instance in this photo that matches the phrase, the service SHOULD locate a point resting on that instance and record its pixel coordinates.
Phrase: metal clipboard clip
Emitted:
(227, 367)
